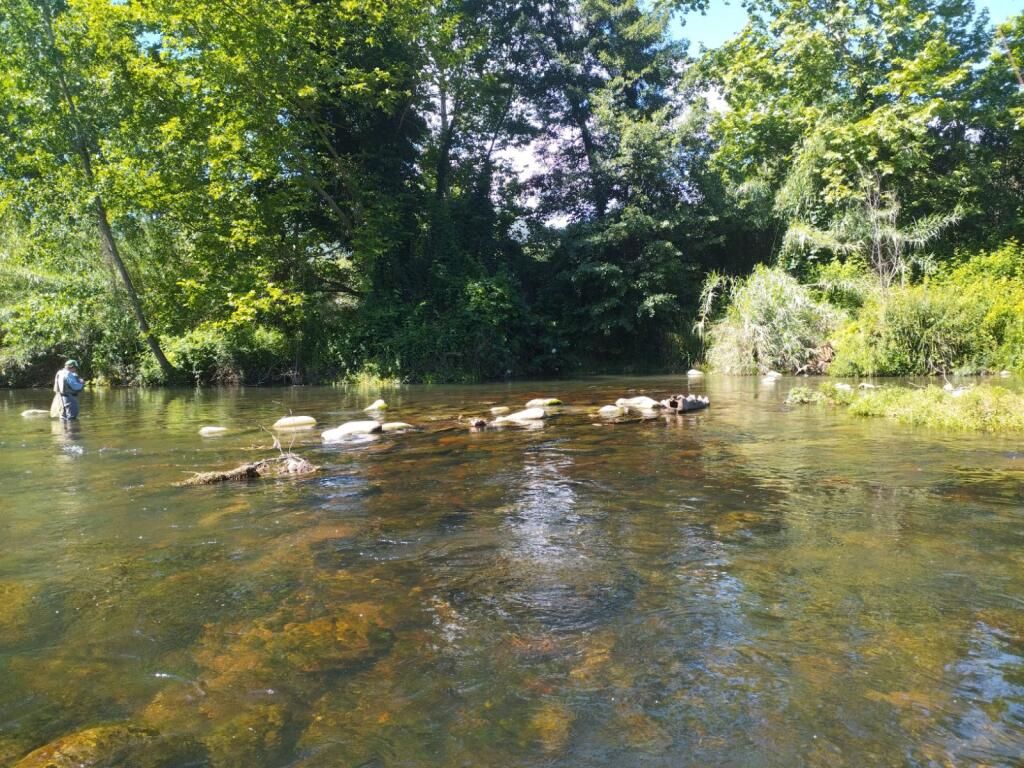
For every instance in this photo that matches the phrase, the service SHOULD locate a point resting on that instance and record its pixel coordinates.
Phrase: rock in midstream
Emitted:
(295, 422)
(351, 428)
(642, 403)
(543, 402)
(530, 414)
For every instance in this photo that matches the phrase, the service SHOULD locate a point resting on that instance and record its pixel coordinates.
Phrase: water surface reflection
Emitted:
(751, 585)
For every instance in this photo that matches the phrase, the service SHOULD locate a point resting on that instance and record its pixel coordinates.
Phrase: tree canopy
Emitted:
(284, 190)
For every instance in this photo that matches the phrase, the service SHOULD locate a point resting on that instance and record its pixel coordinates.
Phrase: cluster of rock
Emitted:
(535, 411)
(346, 430)
(646, 405)
(365, 426)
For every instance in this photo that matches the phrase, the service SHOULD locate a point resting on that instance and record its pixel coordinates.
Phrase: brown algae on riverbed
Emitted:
(745, 581)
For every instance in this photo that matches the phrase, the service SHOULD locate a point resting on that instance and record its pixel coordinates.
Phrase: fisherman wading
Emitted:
(67, 385)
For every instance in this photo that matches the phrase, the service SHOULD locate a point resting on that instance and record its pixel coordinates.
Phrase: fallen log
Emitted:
(279, 466)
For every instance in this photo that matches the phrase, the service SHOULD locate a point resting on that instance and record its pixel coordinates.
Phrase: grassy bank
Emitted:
(983, 408)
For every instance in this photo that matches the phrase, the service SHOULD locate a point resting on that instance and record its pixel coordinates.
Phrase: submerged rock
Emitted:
(33, 412)
(108, 746)
(530, 414)
(611, 411)
(253, 738)
(694, 373)
(211, 431)
(295, 422)
(551, 725)
(543, 402)
(351, 428)
(376, 405)
(500, 410)
(642, 403)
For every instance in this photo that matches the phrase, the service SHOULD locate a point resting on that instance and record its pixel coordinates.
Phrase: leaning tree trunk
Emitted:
(83, 145)
(112, 253)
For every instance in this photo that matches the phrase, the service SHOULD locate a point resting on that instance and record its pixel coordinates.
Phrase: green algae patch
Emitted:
(15, 608)
(978, 409)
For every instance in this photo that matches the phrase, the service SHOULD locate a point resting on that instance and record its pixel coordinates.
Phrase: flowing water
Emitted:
(752, 585)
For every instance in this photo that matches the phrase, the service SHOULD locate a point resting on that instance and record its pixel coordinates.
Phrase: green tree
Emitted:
(69, 89)
(821, 94)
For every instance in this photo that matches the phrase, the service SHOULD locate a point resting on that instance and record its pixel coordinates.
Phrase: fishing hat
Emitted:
(71, 364)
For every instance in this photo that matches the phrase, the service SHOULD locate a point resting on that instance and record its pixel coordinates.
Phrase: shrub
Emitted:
(771, 322)
(922, 329)
(968, 318)
(217, 354)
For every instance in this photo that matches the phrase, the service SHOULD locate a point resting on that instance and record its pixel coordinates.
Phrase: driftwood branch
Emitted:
(287, 464)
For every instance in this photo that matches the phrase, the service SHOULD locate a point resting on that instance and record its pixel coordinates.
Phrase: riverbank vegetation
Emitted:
(428, 190)
(983, 408)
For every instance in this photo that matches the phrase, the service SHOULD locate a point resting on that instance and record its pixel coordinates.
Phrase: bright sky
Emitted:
(725, 17)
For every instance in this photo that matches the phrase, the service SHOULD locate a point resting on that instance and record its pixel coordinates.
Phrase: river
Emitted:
(752, 585)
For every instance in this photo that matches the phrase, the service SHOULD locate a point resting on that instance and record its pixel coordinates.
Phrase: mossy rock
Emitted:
(332, 643)
(253, 738)
(111, 746)
(551, 726)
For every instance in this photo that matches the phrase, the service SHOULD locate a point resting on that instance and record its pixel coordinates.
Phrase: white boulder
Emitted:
(295, 422)
(211, 431)
(530, 414)
(694, 373)
(500, 410)
(395, 426)
(351, 428)
(610, 411)
(376, 405)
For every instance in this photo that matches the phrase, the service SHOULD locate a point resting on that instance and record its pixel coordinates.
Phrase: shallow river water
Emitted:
(753, 585)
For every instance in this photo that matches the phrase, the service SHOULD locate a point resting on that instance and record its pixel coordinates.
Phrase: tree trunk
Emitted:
(84, 145)
(110, 250)
(444, 149)
(600, 196)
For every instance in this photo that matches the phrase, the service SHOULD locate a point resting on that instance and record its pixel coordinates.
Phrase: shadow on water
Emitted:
(750, 585)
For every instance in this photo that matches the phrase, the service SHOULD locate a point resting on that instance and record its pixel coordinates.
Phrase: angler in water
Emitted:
(67, 385)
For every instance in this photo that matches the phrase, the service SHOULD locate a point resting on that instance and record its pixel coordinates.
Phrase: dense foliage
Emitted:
(284, 190)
